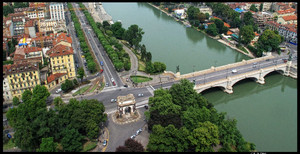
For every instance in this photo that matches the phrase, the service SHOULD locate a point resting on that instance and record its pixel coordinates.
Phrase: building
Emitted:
(266, 6)
(46, 40)
(260, 18)
(62, 38)
(180, 13)
(62, 60)
(21, 77)
(289, 32)
(282, 13)
(55, 79)
(29, 28)
(292, 19)
(205, 9)
(52, 26)
(29, 54)
(57, 11)
(256, 4)
(6, 89)
(36, 11)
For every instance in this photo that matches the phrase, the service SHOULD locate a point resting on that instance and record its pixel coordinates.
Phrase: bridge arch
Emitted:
(251, 77)
(213, 87)
(281, 71)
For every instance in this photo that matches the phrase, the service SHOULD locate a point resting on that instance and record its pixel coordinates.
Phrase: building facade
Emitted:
(6, 90)
(22, 77)
(57, 11)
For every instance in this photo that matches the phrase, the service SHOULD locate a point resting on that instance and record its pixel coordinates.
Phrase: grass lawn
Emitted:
(102, 86)
(95, 86)
(242, 48)
(81, 90)
(89, 146)
(9, 145)
(139, 79)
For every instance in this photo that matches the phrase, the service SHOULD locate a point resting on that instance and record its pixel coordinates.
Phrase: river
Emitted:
(266, 114)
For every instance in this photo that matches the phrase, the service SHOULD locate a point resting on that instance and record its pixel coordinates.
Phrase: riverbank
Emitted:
(215, 38)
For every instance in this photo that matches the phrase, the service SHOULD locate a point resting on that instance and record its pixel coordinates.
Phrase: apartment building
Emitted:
(21, 77)
(260, 18)
(6, 90)
(29, 54)
(62, 60)
(57, 11)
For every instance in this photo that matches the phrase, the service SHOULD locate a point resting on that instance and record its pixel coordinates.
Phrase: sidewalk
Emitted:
(104, 135)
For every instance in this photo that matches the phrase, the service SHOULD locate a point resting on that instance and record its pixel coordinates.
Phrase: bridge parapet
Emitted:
(228, 66)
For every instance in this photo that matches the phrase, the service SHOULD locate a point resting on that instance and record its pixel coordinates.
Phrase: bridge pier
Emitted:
(228, 89)
(261, 80)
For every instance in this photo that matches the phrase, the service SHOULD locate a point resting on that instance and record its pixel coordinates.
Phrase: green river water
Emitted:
(266, 114)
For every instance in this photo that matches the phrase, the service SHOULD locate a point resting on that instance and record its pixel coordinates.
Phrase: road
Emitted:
(98, 50)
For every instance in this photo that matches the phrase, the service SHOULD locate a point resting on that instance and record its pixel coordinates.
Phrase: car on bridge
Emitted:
(234, 71)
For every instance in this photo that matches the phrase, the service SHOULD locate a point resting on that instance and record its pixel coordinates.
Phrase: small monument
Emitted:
(126, 105)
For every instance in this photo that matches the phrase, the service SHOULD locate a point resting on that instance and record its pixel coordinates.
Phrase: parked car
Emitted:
(106, 85)
(132, 137)
(113, 100)
(58, 90)
(140, 95)
(105, 142)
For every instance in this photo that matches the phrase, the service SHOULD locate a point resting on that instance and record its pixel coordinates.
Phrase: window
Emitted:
(57, 61)
(62, 61)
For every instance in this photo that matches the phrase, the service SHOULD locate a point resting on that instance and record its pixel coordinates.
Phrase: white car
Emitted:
(234, 71)
(105, 142)
(113, 100)
(140, 95)
(58, 90)
(132, 137)
(112, 80)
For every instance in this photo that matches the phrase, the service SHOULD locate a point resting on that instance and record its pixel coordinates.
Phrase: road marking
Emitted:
(150, 90)
(103, 150)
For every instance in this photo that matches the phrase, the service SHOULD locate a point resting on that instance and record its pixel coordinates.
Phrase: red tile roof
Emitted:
(226, 24)
(291, 10)
(32, 49)
(55, 76)
(60, 50)
(62, 37)
(288, 18)
(229, 33)
(29, 23)
(19, 68)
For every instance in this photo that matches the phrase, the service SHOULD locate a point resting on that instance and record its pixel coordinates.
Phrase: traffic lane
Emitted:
(106, 71)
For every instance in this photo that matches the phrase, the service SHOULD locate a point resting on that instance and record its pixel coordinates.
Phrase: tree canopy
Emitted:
(181, 120)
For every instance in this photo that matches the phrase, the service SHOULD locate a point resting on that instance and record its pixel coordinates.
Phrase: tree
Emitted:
(248, 19)
(159, 66)
(7, 10)
(58, 102)
(268, 39)
(201, 17)
(47, 145)
(67, 85)
(247, 34)
(184, 95)
(149, 67)
(253, 8)
(75, 82)
(236, 22)
(127, 65)
(207, 16)
(212, 30)
(192, 13)
(219, 24)
(118, 65)
(26, 96)
(92, 66)
(148, 57)
(261, 7)
(131, 146)
(106, 25)
(80, 73)
(16, 101)
(71, 140)
(168, 139)
(204, 136)
(133, 35)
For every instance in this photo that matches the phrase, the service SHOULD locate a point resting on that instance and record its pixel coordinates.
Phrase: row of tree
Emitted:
(91, 65)
(115, 51)
(181, 120)
(66, 129)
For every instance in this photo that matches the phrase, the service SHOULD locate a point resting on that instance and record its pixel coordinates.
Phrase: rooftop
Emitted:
(19, 68)
(59, 50)
(55, 76)
(288, 18)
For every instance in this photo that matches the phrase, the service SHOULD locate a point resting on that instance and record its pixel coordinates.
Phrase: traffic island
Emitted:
(127, 111)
